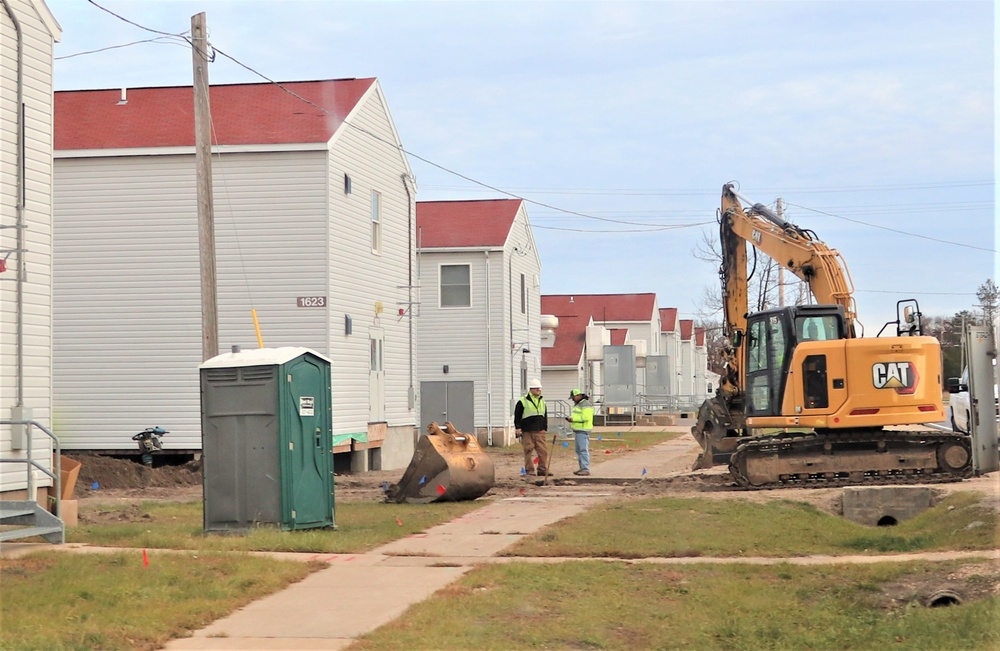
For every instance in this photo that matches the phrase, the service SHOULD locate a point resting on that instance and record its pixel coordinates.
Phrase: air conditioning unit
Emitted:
(597, 337)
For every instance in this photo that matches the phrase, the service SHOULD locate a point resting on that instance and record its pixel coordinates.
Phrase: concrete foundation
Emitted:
(886, 505)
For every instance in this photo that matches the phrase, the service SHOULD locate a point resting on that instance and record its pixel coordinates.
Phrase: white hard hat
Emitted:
(535, 384)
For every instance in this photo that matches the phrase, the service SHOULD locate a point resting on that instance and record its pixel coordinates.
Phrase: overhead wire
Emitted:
(164, 40)
(646, 226)
(893, 230)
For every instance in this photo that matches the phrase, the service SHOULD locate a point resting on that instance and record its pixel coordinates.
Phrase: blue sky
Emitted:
(862, 116)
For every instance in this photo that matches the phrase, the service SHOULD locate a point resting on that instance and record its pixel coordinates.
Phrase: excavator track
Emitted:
(851, 458)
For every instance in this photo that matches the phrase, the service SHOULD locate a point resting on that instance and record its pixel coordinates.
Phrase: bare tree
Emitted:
(762, 277)
(988, 296)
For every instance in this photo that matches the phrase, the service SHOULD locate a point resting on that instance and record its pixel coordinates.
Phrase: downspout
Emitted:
(510, 318)
(410, 394)
(489, 357)
(19, 211)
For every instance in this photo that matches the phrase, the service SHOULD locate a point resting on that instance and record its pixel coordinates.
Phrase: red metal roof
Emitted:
(618, 336)
(575, 311)
(687, 326)
(603, 307)
(668, 319)
(699, 336)
(465, 223)
(242, 114)
(571, 335)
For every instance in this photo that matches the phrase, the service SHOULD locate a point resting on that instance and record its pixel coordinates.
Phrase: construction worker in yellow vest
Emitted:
(581, 419)
(531, 423)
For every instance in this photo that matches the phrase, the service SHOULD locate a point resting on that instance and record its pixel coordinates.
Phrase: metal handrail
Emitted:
(30, 462)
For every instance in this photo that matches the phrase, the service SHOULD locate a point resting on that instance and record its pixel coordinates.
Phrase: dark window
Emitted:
(814, 384)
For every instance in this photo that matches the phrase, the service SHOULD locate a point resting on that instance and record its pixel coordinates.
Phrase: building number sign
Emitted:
(311, 301)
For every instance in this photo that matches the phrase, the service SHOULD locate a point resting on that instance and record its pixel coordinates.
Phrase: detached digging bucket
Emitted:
(447, 466)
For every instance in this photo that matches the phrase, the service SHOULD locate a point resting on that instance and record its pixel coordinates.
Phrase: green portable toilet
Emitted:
(267, 439)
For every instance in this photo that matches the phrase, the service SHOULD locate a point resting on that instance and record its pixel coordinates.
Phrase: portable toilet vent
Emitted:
(267, 440)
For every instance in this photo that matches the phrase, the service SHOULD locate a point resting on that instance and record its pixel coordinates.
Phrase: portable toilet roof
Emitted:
(260, 357)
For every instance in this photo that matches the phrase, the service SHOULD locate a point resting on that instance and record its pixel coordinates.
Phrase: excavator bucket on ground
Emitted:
(447, 466)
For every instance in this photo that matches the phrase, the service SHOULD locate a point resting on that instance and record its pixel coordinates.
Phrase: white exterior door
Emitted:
(376, 377)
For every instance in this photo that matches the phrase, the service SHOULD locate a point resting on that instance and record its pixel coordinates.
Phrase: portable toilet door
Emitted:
(307, 443)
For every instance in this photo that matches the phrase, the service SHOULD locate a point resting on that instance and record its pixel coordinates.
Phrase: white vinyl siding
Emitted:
(128, 320)
(485, 343)
(361, 284)
(36, 313)
(128, 286)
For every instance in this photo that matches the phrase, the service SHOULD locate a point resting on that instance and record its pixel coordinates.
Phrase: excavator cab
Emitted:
(771, 339)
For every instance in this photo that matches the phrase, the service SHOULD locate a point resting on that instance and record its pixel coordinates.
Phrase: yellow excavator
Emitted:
(803, 400)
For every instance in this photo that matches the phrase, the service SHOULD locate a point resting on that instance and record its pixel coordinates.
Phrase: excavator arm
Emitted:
(796, 249)
(721, 420)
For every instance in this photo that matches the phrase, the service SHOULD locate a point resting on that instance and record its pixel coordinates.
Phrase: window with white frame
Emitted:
(456, 286)
(524, 296)
(376, 221)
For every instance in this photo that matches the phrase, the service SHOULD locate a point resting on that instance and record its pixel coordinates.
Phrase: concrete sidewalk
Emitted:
(357, 593)
(360, 592)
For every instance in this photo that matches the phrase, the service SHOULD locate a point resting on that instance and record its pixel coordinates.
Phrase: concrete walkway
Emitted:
(376, 587)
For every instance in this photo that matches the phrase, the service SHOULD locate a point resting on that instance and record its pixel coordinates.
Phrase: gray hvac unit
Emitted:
(658, 377)
(619, 376)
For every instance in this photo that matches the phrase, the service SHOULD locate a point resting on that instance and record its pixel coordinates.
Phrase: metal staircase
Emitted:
(27, 518)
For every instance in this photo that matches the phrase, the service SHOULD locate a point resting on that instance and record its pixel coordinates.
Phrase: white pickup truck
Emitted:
(959, 404)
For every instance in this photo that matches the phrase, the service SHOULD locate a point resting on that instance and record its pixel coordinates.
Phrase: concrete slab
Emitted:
(487, 531)
(337, 603)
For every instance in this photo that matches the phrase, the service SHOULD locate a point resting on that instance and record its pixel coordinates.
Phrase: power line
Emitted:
(902, 293)
(623, 230)
(711, 193)
(893, 230)
(159, 39)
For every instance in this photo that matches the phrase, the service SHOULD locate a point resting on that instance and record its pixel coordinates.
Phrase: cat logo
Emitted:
(901, 376)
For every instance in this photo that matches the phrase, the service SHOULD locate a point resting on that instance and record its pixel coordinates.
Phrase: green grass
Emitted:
(361, 526)
(54, 601)
(611, 605)
(672, 527)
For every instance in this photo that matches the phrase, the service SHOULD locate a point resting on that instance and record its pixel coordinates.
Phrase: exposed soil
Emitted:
(112, 479)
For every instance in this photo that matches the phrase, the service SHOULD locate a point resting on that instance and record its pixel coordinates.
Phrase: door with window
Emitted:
(768, 347)
(376, 376)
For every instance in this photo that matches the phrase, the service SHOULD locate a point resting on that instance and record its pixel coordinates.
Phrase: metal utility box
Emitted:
(267, 440)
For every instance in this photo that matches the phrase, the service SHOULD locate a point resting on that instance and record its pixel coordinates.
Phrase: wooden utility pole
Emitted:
(203, 169)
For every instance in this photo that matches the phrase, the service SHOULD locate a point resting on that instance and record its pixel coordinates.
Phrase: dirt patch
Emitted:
(124, 479)
(933, 588)
(101, 473)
